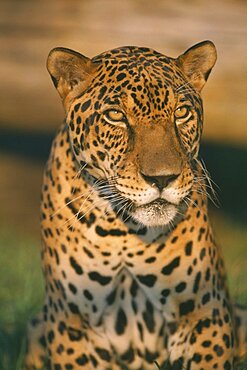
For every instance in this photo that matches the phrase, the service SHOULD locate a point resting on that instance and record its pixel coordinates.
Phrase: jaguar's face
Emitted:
(136, 120)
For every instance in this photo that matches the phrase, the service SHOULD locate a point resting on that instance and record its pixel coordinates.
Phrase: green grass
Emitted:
(21, 288)
(21, 293)
(232, 237)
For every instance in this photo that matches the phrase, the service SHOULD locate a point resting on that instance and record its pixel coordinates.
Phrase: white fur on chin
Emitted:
(154, 215)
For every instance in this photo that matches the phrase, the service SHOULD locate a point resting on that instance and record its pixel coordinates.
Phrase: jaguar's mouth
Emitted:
(159, 202)
(156, 213)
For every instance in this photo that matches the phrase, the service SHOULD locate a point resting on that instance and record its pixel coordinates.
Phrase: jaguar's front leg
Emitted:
(71, 342)
(206, 344)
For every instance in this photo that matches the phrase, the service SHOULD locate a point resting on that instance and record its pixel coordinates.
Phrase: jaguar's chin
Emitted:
(156, 213)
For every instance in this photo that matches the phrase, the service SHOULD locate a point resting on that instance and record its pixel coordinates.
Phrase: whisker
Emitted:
(127, 210)
(88, 210)
(76, 214)
(82, 167)
(68, 203)
(124, 204)
(97, 203)
(206, 177)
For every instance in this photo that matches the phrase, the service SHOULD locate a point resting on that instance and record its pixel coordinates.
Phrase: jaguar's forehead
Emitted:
(142, 74)
(131, 53)
(139, 63)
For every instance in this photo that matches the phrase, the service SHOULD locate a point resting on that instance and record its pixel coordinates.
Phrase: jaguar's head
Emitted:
(135, 117)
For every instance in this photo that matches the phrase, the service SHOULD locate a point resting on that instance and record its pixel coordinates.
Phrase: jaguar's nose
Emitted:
(160, 182)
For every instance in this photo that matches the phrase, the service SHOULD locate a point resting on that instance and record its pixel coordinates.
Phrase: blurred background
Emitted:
(31, 112)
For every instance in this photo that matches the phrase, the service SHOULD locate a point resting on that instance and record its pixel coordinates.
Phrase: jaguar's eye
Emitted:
(182, 114)
(114, 116)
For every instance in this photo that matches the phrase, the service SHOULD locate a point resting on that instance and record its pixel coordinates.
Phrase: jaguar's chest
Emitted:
(124, 274)
(134, 323)
(125, 304)
(125, 295)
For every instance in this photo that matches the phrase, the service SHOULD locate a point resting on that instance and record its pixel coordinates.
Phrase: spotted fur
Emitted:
(133, 274)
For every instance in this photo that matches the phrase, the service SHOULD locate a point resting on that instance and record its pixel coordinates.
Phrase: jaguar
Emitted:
(134, 277)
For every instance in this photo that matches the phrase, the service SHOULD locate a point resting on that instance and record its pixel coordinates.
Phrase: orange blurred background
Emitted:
(30, 109)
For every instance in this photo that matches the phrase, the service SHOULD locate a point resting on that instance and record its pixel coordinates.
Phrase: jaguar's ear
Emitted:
(197, 63)
(70, 71)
